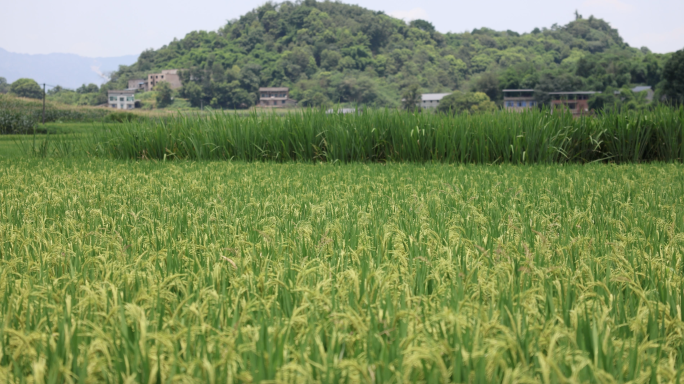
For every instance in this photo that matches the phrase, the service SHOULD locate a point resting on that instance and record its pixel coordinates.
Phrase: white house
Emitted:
(431, 100)
(124, 99)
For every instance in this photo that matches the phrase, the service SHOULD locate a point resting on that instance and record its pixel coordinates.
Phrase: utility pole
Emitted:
(43, 103)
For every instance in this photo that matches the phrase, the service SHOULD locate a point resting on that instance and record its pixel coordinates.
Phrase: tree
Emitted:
(423, 25)
(602, 101)
(488, 83)
(193, 92)
(90, 88)
(673, 76)
(294, 42)
(164, 94)
(26, 88)
(411, 98)
(56, 90)
(4, 87)
(330, 59)
(217, 72)
(470, 102)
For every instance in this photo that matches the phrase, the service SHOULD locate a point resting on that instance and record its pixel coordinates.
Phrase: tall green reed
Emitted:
(385, 135)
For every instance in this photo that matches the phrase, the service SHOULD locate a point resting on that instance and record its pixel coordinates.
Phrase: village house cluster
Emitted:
(125, 99)
(279, 97)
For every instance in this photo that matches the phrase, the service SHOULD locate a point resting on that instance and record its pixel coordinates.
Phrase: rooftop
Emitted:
(574, 93)
(123, 91)
(434, 96)
(641, 88)
(274, 89)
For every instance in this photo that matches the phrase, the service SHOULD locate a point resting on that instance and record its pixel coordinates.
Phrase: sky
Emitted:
(125, 27)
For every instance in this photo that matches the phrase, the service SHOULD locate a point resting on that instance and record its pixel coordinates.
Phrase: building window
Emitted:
(121, 99)
(283, 101)
(162, 76)
(571, 105)
(113, 105)
(112, 98)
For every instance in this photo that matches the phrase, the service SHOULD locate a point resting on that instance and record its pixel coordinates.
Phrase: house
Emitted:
(641, 88)
(343, 111)
(519, 100)
(431, 100)
(137, 84)
(576, 101)
(124, 99)
(275, 97)
(169, 75)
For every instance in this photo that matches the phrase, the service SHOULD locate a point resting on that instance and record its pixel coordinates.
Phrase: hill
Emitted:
(66, 70)
(329, 52)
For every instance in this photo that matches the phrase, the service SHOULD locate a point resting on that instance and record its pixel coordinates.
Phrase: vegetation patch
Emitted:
(384, 135)
(150, 272)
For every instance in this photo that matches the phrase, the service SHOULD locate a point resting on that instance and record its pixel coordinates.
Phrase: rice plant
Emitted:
(382, 135)
(218, 272)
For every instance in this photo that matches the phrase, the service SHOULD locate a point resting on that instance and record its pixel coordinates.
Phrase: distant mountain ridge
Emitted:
(64, 69)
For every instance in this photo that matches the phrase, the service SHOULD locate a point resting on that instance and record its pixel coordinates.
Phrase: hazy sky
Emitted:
(124, 27)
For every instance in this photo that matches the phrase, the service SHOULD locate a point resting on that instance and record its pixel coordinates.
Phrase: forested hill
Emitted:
(329, 52)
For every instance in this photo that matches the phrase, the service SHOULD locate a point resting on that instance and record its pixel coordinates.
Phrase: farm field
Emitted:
(114, 271)
(21, 146)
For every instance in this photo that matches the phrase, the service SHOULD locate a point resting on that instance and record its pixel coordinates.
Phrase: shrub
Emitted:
(15, 122)
(121, 117)
(26, 88)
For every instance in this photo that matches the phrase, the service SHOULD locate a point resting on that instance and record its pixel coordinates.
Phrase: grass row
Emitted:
(384, 135)
(222, 272)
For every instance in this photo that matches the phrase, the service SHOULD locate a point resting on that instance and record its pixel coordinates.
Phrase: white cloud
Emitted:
(415, 13)
(614, 5)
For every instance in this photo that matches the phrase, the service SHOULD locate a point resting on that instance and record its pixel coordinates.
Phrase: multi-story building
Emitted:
(576, 101)
(431, 100)
(169, 75)
(519, 99)
(124, 99)
(275, 97)
(137, 84)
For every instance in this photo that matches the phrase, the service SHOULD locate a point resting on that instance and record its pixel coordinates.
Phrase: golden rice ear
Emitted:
(397, 272)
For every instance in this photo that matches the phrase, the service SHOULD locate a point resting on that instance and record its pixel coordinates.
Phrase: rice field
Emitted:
(225, 272)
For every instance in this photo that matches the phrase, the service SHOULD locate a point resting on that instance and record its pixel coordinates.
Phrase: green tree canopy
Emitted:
(27, 88)
(164, 94)
(90, 88)
(4, 87)
(673, 76)
(412, 97)
(469, 102)
(348, 54)
(193, 92)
